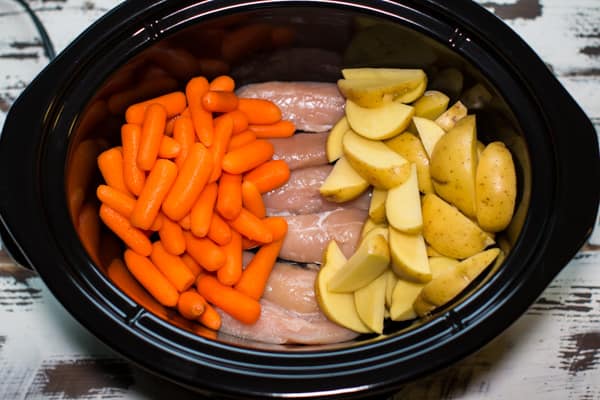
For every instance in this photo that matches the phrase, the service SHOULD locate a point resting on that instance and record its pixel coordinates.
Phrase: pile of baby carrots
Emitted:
(183, 191)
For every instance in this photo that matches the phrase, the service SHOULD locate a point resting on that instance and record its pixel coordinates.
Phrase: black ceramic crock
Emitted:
(62, 119)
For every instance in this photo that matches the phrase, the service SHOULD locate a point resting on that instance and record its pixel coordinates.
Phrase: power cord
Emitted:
(46, 42)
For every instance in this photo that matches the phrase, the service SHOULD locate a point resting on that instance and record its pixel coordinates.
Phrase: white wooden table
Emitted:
(551, 352)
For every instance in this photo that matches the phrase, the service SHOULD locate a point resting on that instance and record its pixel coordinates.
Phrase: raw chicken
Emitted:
(292, 287)
(301, 150)
(300, 195)
(309, 234)
(311, 106)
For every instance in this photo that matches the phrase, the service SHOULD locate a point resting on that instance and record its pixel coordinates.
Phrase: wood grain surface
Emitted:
(551, 352)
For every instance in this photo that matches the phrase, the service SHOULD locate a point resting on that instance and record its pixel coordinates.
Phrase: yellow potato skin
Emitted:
(431, 105)
(495, 187)
(409, 146)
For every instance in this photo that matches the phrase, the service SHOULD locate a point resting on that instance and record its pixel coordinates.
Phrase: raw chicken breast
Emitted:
(292, 287)
(301, 150)
(311, 106)
(280, 326)
(309, 234)
(300, 195)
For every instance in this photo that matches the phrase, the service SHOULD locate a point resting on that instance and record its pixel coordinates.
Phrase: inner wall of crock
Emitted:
(292, 44)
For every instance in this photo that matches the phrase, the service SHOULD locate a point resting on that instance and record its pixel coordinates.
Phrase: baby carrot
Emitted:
(248, 156)
(202, 211)
(230, 273)
(240, 121)
(131, 236)
(121, 202)
(170, 125)
(191, 305)
(223, 129)
(171, 236)
(186, 223)
(254, 277)
(251, 227)
(270, 175)
(192, 265)
(235, 303)
(259, 111)
(202, 119)
(151, 278)
(223, 83)
(172, 267)
(134, 177)
(278, 227)
(219, 231)
(219, 101)
(158, 184)
(153, 129)
(110, 163)
(229, 197)
(248, 244)
(183, 132)
(174, 103)
(279, 129)
(169, 147)
(205, 252)
(193, 176)
(210, 318)
(88, 228)
(241, 139)
(252, 199)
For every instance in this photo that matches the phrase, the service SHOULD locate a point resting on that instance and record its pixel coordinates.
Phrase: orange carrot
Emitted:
(169, 147)
(230, 273)
(131, 236)
(192, 265)
(153, 130)
(118, 102)
(223, 129)
(241, 139)
(270, 175)
(191, 305)
(251, 227)
(172, 267)
(205, 252)
(110, 163)
(281, 129)
(88, 228)
(219, 231)
(278, 227)
(193, 176)
(240, 121)
(235, 303)
(254, 277)
(248, 156)
(174, 103)
(210, 318)
(186, 222)
(223, 83)
(121, 202)
(202, 119)
(252, 199)
(171, 236)
(248, 244)
(170, 125)
(259, 111)
(155, 190)
(134, 177)
(158, 223)
(151, 278)
(229, 197)
(201, 214)
(184, 133)
(219, 101)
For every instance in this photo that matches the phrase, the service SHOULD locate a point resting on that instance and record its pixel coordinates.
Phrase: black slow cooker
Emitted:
(55, 128)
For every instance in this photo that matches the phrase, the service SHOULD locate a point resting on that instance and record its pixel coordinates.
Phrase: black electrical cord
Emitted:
(46, 42)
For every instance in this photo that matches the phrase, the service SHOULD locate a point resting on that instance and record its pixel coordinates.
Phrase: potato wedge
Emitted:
(377, 206)
(368, 262)
(343, 183)
(495, 187)
(375, 162)
(338, 307)
(369, 225)
(451, 283)
(333, 147)
(449, 232)
(451, 116)
(453, 166)
(403, 296)
(391, 279)
(370, 303)
(403, 205)
(429, 132)
(409, 256)
(431, 105)
(410, 147)
(385, 74)
(379, 123)
(379, 230)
